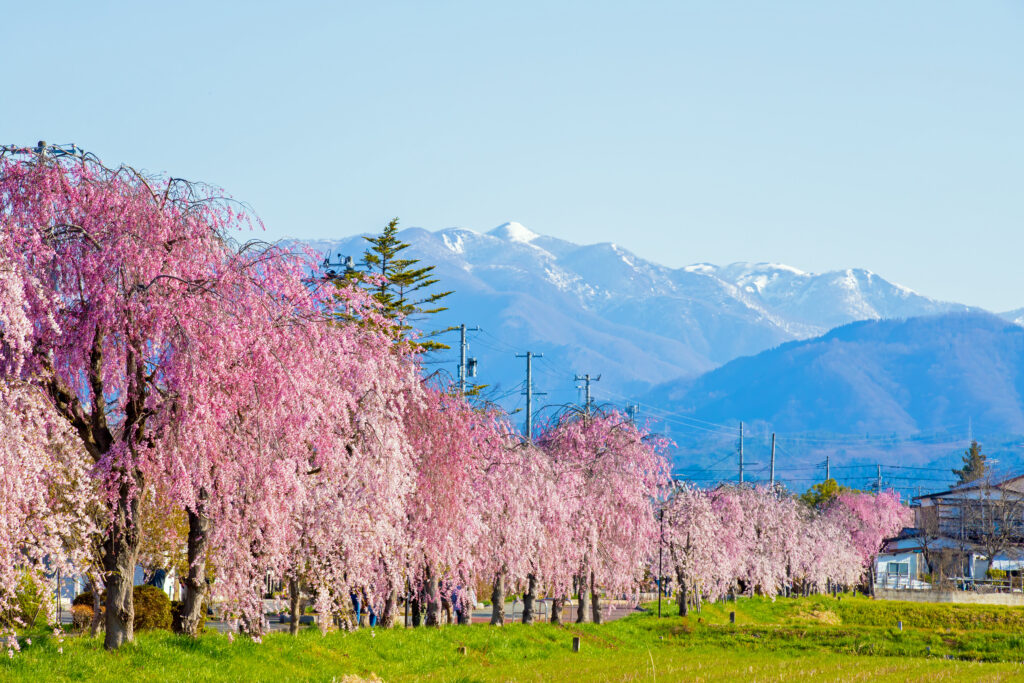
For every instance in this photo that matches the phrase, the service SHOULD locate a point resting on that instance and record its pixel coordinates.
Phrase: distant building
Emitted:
(958, 536)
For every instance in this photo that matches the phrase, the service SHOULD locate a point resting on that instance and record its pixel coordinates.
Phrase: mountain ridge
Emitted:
(650, 331)
(674, 322)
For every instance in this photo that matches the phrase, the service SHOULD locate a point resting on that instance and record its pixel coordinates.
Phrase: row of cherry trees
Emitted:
(760, 540)
(152, 368)
(167, 392)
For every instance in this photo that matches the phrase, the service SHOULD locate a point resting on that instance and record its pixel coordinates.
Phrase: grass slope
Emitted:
(805, 639)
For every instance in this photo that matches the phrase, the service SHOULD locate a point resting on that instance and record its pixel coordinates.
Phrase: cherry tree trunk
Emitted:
(498, 600)
(463, 608)
(446, 608)
(387, 616)
(97, 606)
(595, 600)
(683, 599)
(415, 606)
(254, 628)
(581, 593)
(294, 605)
(433, 599)
(120, 552)
(528, 598)
(557, 604)
(195, 579)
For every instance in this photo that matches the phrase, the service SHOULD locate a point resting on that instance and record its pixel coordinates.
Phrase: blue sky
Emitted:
(885, 135)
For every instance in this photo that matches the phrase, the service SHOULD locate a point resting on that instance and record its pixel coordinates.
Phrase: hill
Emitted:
(892, 392)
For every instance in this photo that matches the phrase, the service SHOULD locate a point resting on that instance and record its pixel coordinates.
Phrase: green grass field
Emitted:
(788, 640)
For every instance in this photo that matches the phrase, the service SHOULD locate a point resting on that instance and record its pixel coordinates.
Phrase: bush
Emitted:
(31, 600)
(176, 607)
(86, 599)
(152, 607)
(996, 573)
(81, 617)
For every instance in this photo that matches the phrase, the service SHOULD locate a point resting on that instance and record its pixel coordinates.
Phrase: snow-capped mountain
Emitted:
(601, 309)
(1014, 316)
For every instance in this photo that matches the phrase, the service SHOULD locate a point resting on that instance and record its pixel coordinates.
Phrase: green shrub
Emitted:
(85, 598)
(31, 599)
(152, 607)
(996, 573)
(81, 617)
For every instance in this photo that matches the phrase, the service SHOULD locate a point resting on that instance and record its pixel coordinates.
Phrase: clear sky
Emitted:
(878, 134)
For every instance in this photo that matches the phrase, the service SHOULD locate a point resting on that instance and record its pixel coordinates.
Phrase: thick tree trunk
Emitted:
(595, 600)
(387, 617)
(195, 579)
(433, 599)
(557, 605)
(120, 552)
(415, 607)
(682, 598)
(498, 600)
(581, 593)
(294, 605)
(528, 598)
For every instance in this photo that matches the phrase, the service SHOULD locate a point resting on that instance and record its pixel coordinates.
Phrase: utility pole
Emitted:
(660, 574)
(741, 452)
(878, 479)
(462, 357)
(529, 393)
(771, 470)
(587, 379)
(828, 469)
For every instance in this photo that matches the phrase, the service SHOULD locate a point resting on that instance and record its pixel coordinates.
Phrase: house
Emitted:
(958, 536)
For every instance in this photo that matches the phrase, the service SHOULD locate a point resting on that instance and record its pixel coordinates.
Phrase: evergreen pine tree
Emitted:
(403, 292)
(974, 465)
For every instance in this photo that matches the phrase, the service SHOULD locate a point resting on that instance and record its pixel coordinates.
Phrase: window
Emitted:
(899, 569)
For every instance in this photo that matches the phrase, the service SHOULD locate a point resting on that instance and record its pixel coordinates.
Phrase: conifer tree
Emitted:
(974, 467)
(402, 292)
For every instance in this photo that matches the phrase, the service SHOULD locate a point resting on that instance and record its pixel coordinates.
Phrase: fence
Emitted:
(902, 582)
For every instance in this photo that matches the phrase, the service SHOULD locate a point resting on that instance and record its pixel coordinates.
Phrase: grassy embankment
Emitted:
(804, 639)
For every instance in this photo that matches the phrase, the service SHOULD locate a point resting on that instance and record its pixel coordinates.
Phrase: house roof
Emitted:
(974, 486)
(914, 542)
